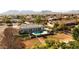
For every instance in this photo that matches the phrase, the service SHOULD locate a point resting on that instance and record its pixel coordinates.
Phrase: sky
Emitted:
(38, 5)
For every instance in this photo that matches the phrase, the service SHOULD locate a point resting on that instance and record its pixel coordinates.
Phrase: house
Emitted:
(70, 23)
(15, 20)
(1, 19)
(31, 28)
(51, 25)
(52, 19)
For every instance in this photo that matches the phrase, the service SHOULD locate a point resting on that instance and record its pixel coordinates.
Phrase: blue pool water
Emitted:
(37, 33)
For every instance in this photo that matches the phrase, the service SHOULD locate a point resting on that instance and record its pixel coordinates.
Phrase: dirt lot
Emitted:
(2, 28)
(61, 37)
(32, 42)
(1, 31)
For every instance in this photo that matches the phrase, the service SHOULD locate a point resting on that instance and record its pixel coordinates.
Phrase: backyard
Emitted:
(41, 40)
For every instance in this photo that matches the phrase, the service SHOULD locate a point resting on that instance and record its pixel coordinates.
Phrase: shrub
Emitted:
(74, 44)
(65, 45)
(38, 19)
(75, 33)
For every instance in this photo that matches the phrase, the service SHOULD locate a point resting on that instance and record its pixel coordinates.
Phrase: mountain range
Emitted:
(24, 12)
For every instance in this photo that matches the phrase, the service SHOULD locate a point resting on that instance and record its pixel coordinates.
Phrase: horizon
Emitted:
(40, 10)
(39, 5)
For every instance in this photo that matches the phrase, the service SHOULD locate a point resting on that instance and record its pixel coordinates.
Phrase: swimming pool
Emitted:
(37, 33)
(40, 33)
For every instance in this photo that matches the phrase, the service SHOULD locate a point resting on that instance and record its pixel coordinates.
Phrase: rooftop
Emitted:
(31, 26)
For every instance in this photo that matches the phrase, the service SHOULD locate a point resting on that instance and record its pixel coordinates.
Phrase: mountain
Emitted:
(24, 12)
(73, 12)
(17, 12)
(10, 12)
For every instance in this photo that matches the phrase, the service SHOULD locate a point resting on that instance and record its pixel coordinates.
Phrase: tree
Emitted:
(22, 18)
(75, 33)
(38, 19)
(52, 44)
(75, 18)
(54, 29)
(65, 45)
(74, 44)
(7, 19)
(49, 43)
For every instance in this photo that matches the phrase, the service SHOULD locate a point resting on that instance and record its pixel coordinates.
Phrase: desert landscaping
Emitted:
(39, 31)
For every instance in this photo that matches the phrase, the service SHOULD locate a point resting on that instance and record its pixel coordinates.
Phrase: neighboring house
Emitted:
(27, 22)
(31, 28)
(53, 19)
(15, 20)
(64, 17)
(70, 23)
(1, 19)
(31, 20)
(51, 25)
